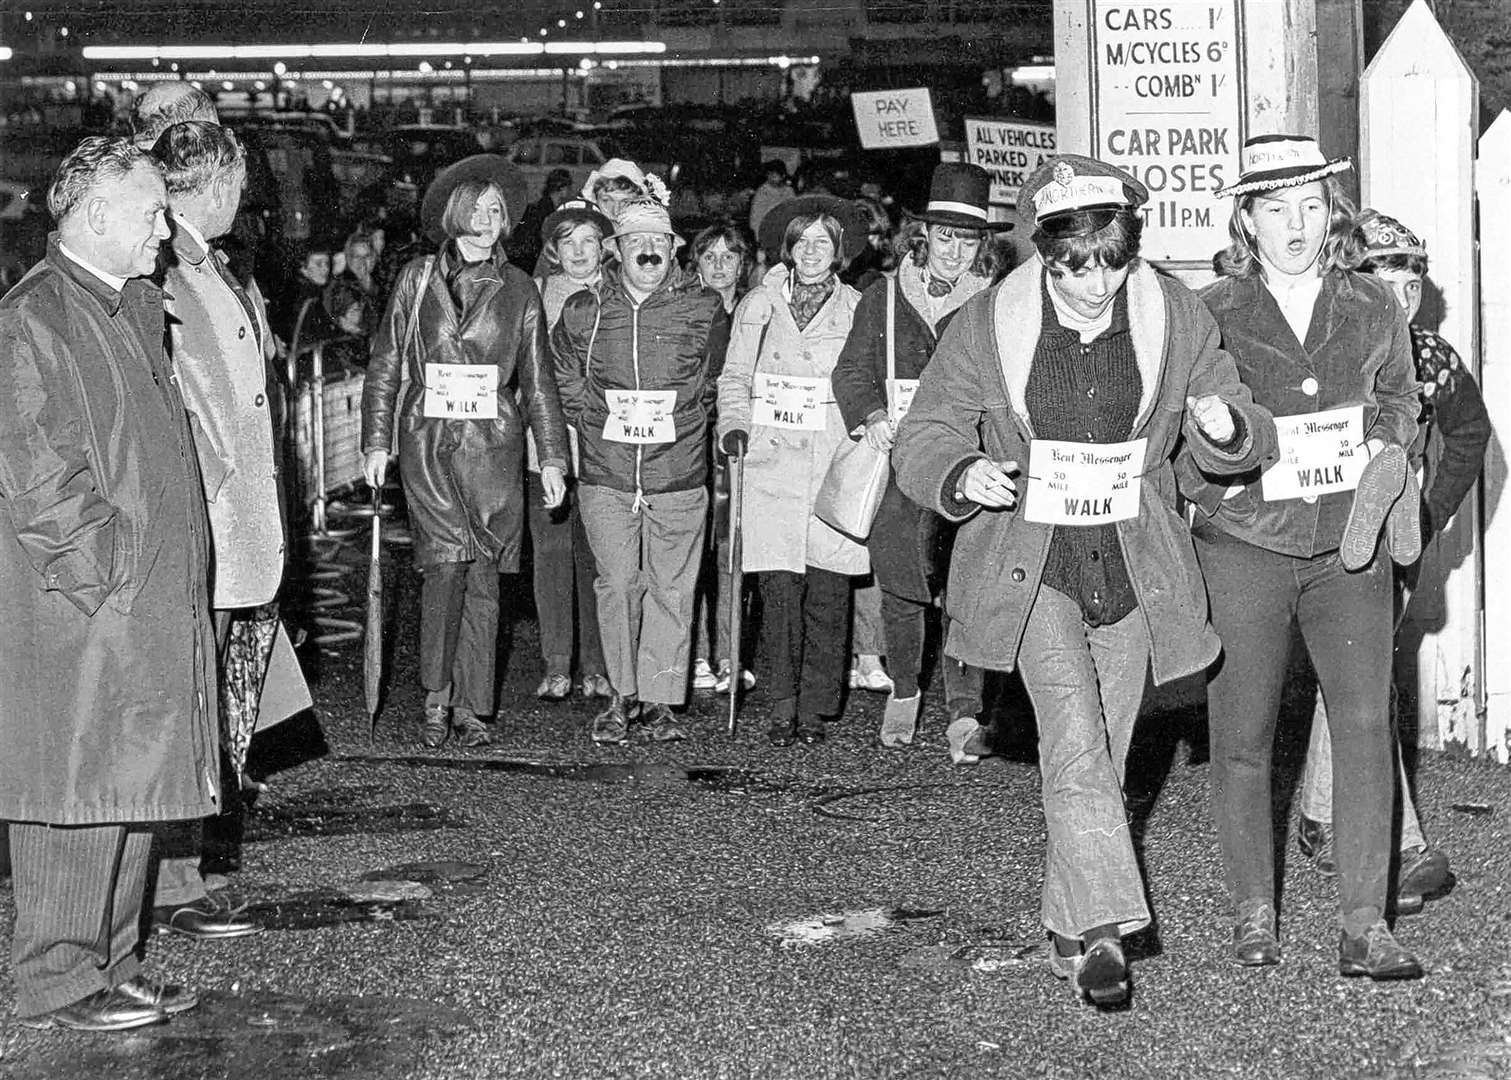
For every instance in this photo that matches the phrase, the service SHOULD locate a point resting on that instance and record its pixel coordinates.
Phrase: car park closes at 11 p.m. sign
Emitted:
(1168, 92)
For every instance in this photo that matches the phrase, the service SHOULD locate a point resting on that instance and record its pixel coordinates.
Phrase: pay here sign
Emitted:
(892, 119)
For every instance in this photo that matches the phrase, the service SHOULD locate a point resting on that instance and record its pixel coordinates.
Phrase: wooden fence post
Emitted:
(1419, 106)
(1493, 182)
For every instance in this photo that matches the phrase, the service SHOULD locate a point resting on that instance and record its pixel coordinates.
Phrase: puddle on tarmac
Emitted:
(331, 813)
(887, 803)
(318, 908)
(429, 873)
(710, 777)
(988, 957)
(828, 928)
(257, 1034)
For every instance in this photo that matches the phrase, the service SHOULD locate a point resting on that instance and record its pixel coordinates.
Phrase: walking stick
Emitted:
(736, 580)
(372, 656)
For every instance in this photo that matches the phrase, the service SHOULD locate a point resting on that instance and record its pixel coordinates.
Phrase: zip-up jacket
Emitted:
(672, 340)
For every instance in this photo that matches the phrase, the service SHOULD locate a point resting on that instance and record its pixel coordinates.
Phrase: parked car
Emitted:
(417, 152)
(538, 155)
(291, 183)
(24, 223)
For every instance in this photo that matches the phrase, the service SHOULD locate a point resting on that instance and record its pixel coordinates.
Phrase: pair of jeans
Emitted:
(710, 638)
(1086, 683)
(648, 549)
(904, 624)
(1317, 774)
(564, 575)
(1346, 623)
(459, 633)
(803, 619)
(869, 637)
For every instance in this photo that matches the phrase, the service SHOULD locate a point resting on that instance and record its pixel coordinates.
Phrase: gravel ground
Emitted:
(836, 911)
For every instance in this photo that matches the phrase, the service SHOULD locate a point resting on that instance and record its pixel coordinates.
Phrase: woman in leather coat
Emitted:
(459, 366)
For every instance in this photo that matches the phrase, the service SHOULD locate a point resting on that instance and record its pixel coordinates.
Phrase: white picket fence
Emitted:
(1418, 128)
(1493, 185)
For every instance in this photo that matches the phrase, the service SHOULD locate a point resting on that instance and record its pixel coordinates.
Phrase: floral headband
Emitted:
(1387, 236)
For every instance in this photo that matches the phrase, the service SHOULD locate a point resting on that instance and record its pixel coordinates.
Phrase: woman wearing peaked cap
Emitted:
(1045, 425)
(459, 367)
(1327, 350)
(945, 257)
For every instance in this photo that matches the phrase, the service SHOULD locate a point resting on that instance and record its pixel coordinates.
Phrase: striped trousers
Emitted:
(78, 893)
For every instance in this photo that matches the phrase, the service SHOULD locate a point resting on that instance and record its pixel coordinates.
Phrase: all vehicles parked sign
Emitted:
(1167, 88)
(1009, 150)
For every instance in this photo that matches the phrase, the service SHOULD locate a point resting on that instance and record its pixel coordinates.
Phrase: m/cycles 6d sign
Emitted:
(1168, 99)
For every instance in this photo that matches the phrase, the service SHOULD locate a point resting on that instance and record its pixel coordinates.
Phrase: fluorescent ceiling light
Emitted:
(363, 49)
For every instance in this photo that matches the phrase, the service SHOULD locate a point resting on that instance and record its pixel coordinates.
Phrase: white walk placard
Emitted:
(1320, 453)
(1072, 483)
(1008, 150)
(900, 398)
(790, 401)
(1167, 93)
(888, 119)
(640, 416)
(461, 391)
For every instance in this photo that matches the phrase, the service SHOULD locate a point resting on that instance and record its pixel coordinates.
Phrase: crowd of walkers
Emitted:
(1097, 476)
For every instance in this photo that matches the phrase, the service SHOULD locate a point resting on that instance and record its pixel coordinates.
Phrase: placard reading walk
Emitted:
(890, 119)
(461, 391)
(790, 401)
(1009, 150)
(1167, 94)
(1072, 483)
(1320, 453)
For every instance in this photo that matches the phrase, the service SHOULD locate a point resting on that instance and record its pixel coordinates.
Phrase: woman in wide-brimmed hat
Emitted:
(1327, 350)
(775, 400)
(1069, 386)
(945, 257)
(464, 338)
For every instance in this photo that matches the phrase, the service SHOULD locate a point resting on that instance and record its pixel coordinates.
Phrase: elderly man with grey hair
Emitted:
(166, 103)
(107, 679)
(221, 348)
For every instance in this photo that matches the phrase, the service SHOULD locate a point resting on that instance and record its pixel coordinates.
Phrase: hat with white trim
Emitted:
(958, 197)
(1067, 183)
(644, 215)
(1268, 162)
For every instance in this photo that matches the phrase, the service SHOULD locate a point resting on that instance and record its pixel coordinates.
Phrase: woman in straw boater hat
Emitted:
(1454, 431)
(459, 367)
(945, 257)
(1046, 424)
(1327, 351)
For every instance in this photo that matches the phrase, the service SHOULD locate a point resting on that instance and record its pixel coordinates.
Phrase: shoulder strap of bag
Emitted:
(419, 298)
(891, 327)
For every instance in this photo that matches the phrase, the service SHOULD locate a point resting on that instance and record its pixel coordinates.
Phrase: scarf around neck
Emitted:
(807, 299)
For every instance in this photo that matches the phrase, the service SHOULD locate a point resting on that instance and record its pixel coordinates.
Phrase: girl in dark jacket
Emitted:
(463, 339)
(1327, 351)
(947, 258)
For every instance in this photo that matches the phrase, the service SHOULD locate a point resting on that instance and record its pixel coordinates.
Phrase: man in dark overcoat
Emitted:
(107, 694)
